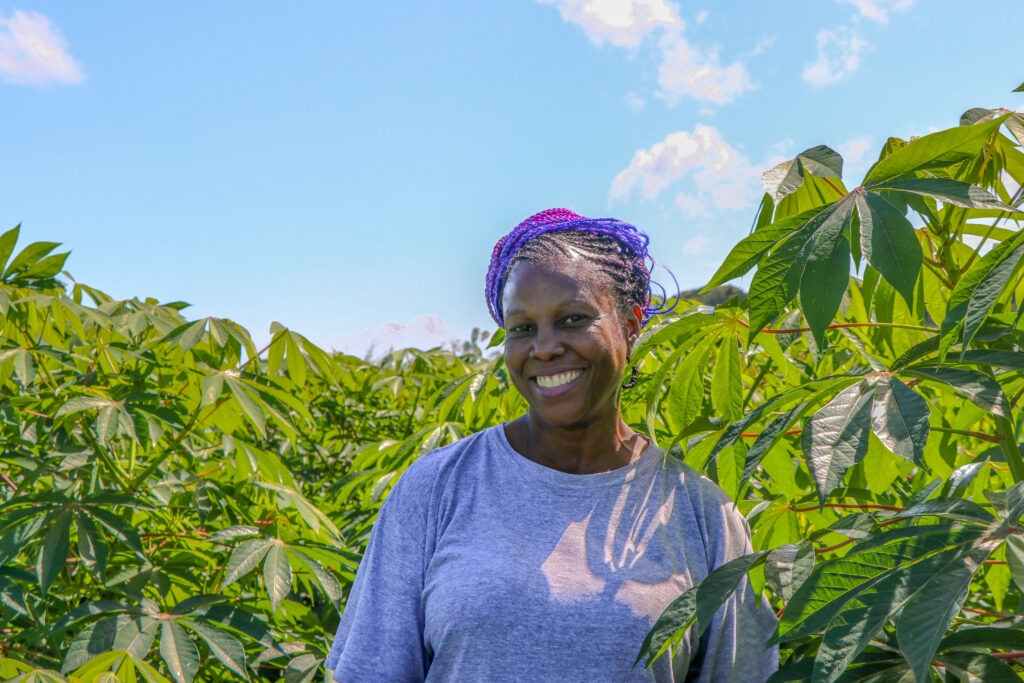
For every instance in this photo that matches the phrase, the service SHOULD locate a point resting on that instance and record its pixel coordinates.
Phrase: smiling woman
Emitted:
(547, 547)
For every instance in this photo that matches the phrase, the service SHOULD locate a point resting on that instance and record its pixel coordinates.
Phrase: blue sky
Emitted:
(345, 168)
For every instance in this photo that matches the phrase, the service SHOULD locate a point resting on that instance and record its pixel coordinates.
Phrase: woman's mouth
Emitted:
(556, 381)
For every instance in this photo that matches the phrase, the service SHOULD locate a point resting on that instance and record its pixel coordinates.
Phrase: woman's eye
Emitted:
(518, 329)
(574, 318)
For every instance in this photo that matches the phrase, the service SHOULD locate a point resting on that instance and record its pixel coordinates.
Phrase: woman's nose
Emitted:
(547, 344)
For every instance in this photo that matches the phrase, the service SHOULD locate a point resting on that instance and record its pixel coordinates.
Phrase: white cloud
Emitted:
(619, 22)
(721, 176)
(635, 102)
(854, 149)
(839, 54)
(878, 10)
(424, 332)
(686, 71)
(701, 16)
(33, 51)
(696, 245)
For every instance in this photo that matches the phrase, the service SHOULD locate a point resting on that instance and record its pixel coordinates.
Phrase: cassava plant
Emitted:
(862, 405)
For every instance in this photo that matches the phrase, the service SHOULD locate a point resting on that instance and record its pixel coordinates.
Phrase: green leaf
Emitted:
(250, 406)
(936, 150)
(751, 248)
(977, 291)
(178, 652)
(787, 177)
(244, 559)
(979, 388)
(1015, 558)
(277, 575)
(836, 437)
(213, 385)
(53, 555)
(1019, 88)
(888, 243)
(225, 647)
(899, 418)
(984, 637)
(787, 567)
(28, 257)
(826, 273)
(657, 384)
(296, 362)
(775, 283)
(191, 335)
(873, 570)
(727, 380)
(977, 666)
(302, 669)
(951, 508)
(327, 581)
(927, 615)
(696, 606)
(768, 436)
(7, 242)
(119, 528)
(136, 637)
(955, 192)
(91, 547)
(46, 267)
(988, 290)
(80, 403)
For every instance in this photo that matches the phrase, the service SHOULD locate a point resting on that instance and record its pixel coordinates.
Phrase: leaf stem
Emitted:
(1008, 444)
(851, 506)
(981, 436)
(837, 326)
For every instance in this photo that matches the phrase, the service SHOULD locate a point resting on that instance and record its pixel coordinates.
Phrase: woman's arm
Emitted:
(380, 637)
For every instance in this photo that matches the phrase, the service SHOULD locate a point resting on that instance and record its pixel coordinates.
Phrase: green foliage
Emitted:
(177, 504)
(880, 436)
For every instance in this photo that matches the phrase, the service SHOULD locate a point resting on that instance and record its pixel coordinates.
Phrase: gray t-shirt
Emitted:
(486, 566)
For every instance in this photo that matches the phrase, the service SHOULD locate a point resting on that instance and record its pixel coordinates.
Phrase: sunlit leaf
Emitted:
(836, 437)
(178, 652)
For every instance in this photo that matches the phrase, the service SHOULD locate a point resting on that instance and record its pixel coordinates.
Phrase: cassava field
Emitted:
(177, 504)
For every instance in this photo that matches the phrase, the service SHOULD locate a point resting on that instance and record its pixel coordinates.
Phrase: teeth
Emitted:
(552, 381)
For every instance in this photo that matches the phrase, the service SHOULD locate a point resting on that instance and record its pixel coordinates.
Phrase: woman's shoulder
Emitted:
(426, 475)
(713, 509)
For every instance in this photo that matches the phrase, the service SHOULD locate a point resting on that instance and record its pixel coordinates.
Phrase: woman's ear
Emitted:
(634, 320)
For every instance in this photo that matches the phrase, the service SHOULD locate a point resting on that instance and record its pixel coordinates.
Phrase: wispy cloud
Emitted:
(620, 22)
(635, 102)
(719, 175)
(33, 51)
(839, 55)
(424, 332)
(687, 71)
(878, 10)
(696, 245)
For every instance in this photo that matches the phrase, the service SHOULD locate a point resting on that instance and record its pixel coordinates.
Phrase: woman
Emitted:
(546, 548)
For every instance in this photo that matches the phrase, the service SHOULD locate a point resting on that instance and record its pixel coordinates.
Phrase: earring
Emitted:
(632, 379)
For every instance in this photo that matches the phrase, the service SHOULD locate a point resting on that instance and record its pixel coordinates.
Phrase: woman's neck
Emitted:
(585, 450)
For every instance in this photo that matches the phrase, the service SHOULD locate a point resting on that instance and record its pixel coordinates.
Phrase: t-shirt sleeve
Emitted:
(732, 649)
(380, 637)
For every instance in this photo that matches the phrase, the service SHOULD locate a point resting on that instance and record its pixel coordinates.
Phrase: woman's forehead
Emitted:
(556, 278)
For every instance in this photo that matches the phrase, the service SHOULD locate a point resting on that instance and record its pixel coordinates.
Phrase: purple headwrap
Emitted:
(631, 241)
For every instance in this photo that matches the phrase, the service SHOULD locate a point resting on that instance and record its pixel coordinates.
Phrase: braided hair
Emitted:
(617, 248)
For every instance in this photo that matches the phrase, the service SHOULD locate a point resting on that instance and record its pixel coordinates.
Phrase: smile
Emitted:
(561, 379)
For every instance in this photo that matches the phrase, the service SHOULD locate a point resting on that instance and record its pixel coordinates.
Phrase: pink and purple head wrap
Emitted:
(631, 248)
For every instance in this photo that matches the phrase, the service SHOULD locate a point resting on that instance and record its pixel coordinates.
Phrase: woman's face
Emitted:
(566, 340)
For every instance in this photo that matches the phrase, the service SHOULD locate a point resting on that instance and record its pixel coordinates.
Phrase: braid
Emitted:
(617, 248)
